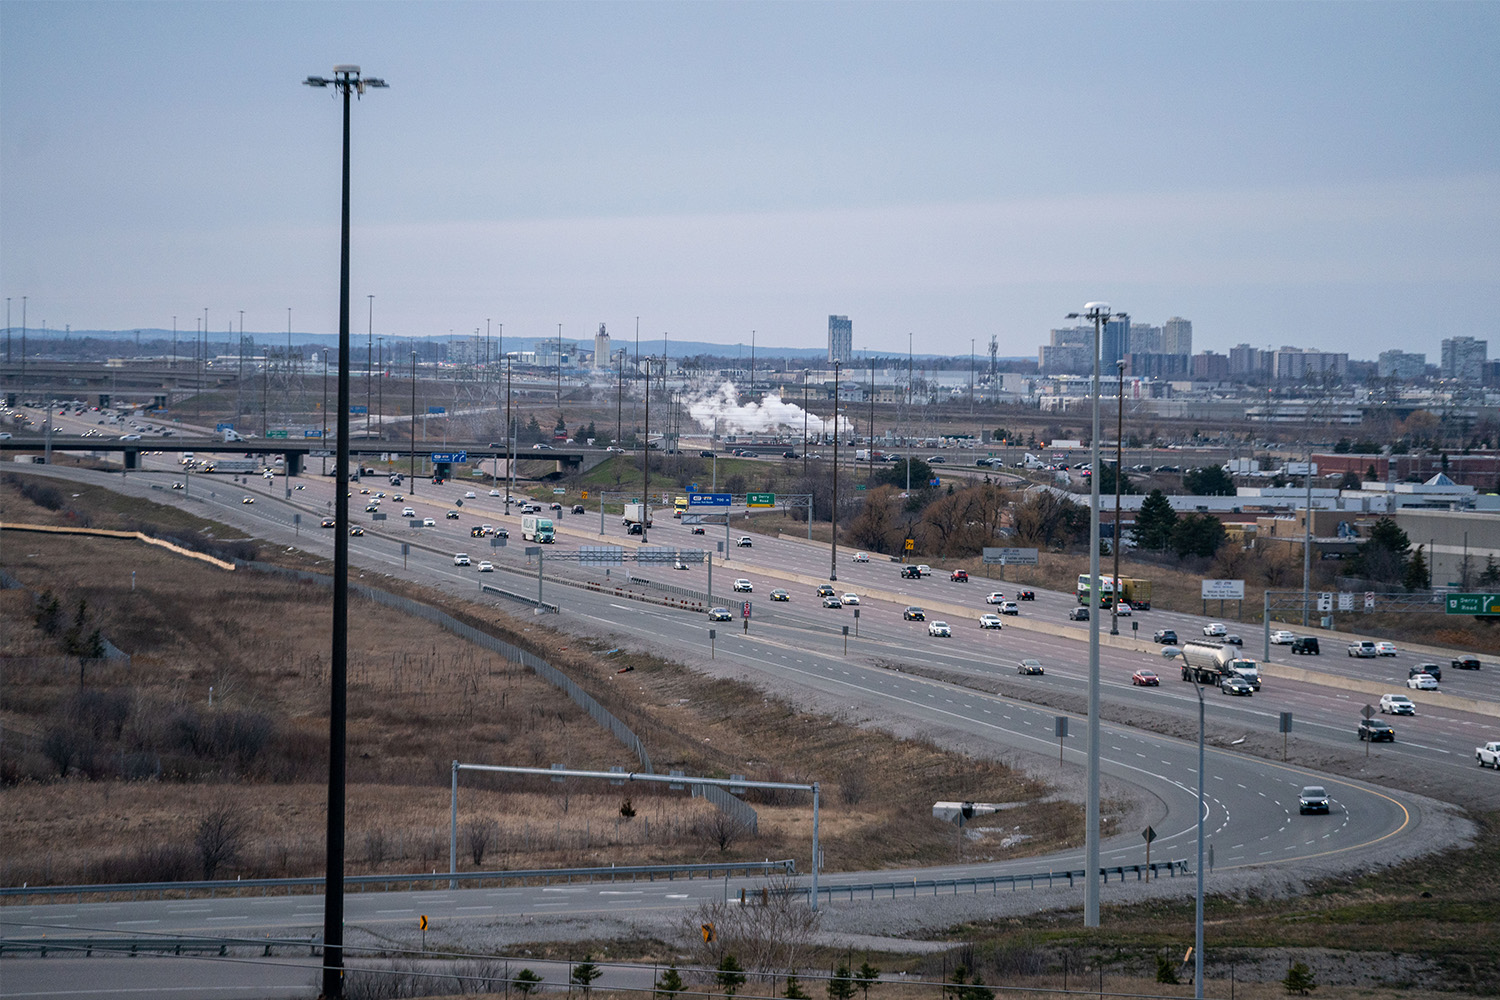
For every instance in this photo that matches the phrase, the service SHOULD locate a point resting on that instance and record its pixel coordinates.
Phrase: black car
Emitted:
(1314, 799)
(914, 615)
(1078, 615)
(1465, 662)
(1376, 730)
(1233, 640)
(1426, 668)
(476, 532)
(1238, 686)
(910, 573)
(1165, 636)
(1025, 595)
(1306, 645)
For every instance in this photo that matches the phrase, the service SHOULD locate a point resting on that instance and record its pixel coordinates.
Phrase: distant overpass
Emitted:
(294, 451)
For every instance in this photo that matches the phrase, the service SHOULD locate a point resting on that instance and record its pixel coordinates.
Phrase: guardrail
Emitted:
(153, 945)
(991, 882)
(499, 878)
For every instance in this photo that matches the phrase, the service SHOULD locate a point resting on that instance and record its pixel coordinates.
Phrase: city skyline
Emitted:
(1277, 174)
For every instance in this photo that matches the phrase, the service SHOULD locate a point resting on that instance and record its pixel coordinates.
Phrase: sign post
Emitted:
(1149, 834)
(1286, 727)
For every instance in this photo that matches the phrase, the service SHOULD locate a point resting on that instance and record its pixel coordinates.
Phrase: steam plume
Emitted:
(771, 415)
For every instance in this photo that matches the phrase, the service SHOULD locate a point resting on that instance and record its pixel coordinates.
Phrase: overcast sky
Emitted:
(1323, 175)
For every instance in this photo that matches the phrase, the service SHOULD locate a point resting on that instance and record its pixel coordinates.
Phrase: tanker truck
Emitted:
(1211, 662)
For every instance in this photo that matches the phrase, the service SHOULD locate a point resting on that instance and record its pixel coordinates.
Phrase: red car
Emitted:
(1145, 678)
(959, 576)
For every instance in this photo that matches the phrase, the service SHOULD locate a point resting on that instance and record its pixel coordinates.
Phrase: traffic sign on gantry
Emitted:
(1472, 604)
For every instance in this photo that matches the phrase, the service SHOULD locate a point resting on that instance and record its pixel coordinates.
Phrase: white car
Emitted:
(996, 598)
(1122, 610)
(428, 522)
(408, 512)
(1215, 628)
(924, 570)
(1385, 649)
(743, 586)
(991, 621)
(461, 559)
(471, 495)
(1281, 637)
(1397, 704)
(849, 599)
(486, 567)
(744, 542)
(861, 557)
(940, 630)
(1422, 682)
(494, 493)
(1364, 649)
(1010, 608)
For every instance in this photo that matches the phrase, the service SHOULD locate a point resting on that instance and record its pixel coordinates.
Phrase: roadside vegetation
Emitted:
(205, 752)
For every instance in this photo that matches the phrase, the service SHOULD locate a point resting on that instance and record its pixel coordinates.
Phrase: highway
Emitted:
(964, 690)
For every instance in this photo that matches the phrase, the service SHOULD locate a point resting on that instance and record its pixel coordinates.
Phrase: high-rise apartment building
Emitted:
(1114, 343)
(1210, 367)
(1247, 362)
(840, 339)
(1293, 364)
(1070, 353)
(1401, 365)
(1177, 336)
(1145, 339)
(1464, 358)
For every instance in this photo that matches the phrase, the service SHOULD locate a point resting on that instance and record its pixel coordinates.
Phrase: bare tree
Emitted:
(719, 829)
(220, 835)
(480, 835)
(771, 933)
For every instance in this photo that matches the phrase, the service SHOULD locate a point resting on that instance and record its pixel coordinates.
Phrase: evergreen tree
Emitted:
(1209, 481)
(584, 974)
(977, 990)
(1107, 481)
(729, 975)
(1300, 980)
(526, 981)
(841, 986)
(1350, 481)
(1491, 575)
(1197, 535)
(670, 982)
(1417, 577)
(1383, 556)
(866, 977)
(957, 983)
(1154, 521)
(794, 990)
(1165, 972)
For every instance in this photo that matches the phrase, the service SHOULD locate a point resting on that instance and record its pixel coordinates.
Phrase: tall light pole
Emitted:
(510, 461)
(646, 465)
(1099, 313)
(347, 81)
(369, 356)
(1114, 607)
(380, 394)
(411, 472)
(833, 564)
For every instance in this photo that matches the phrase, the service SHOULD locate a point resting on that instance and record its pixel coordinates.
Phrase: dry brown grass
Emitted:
(418, 699)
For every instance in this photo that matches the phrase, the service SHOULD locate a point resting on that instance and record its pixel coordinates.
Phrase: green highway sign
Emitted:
(275, 434)
(760, 499)
(1473, 604)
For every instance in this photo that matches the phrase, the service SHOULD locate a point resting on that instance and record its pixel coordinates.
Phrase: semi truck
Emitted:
(1136, 592)
(1211, 662)
(869, 455)
(635, 513)
(536, 529)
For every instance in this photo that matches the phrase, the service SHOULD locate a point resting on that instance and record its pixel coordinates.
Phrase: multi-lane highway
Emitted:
(963, 689)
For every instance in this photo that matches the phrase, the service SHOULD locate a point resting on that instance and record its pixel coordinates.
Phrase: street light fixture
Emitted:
(347, 81)
(1099, 312)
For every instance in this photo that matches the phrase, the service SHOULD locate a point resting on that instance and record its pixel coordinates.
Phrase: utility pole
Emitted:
(510, 436)
(369, 358)
(646, 464)
(1114, 609)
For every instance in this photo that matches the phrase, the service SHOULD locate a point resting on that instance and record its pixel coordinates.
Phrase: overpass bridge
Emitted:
(295, 451)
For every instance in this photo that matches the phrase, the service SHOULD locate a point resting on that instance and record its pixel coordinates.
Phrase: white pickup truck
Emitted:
(1488, 755)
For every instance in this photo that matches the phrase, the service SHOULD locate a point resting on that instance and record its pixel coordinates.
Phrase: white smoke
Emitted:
(771, 415)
